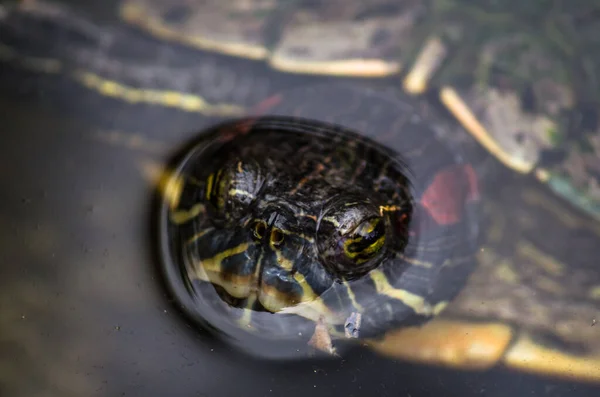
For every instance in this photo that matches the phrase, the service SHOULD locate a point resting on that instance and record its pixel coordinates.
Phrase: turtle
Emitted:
(513, 266)
(279, 223)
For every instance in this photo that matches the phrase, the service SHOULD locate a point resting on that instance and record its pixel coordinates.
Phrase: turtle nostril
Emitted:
(259, 229)
(277, 237)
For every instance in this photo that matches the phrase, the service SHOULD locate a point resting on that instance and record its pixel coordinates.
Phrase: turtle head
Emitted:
(280, 228)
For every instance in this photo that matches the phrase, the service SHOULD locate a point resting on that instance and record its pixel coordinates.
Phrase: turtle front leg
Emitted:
(322, 340)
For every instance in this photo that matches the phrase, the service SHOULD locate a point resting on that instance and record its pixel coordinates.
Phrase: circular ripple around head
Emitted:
(338, 201)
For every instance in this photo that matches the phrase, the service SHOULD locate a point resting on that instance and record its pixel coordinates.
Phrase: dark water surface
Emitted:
(82, 312)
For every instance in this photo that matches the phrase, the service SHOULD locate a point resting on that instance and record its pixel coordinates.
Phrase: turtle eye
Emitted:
(233, 187)
(350, 239)
(365, 241)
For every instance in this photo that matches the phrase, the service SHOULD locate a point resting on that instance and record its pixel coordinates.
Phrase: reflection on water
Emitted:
(82, 314)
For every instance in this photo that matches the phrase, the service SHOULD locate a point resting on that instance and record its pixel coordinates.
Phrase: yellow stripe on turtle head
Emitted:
(238, 287)
(182, 216)
(311, 305)
(414, 301)
(240, 192)
(209, 185)
(359, 308)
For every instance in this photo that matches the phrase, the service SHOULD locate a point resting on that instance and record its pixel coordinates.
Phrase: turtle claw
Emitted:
(321, 339)
(352, 325)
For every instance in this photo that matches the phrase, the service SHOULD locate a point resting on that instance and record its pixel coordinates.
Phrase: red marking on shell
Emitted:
(231, 131)
(447, 194)
(266, 105)
(243, 127)
(472, 181)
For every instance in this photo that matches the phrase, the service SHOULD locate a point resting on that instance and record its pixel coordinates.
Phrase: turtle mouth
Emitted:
(265, 261)
(263, 299)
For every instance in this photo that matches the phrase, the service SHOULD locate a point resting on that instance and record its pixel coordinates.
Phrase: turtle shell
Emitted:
(283, 221)
(520, 80)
